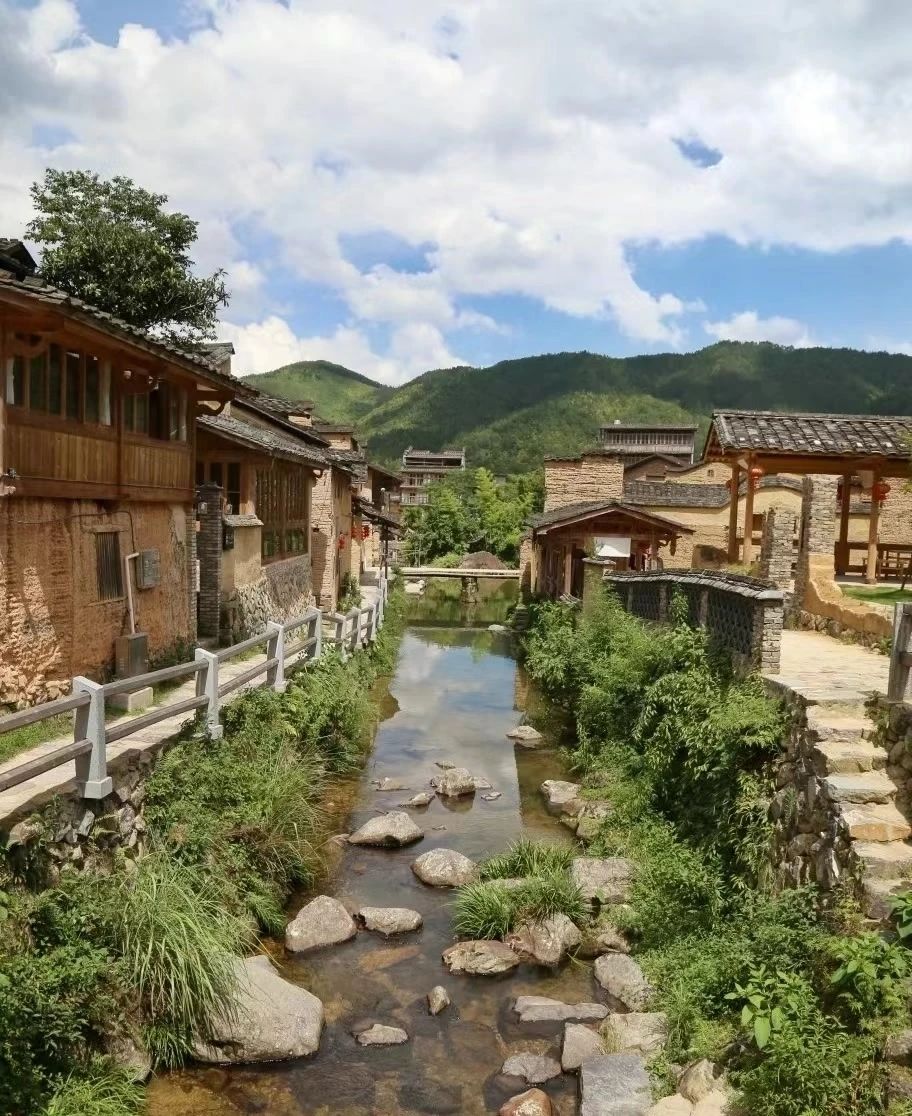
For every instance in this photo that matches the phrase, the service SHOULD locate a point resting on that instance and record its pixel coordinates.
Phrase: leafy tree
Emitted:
(113, 244)
(442, 526)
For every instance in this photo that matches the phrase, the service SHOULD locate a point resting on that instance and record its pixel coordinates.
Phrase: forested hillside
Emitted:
(509, 415)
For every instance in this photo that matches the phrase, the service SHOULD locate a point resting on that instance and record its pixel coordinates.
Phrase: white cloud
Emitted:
(272, 343)
(749, 326)
(530, 154)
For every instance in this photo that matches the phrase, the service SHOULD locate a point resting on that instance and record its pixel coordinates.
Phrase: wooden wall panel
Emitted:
(56, 455)
(163, 465)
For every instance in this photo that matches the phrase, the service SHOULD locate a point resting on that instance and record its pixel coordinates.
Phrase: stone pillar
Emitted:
(818, 531)
(766, 638)
(777, 552)
(526, 583)
(209, 552)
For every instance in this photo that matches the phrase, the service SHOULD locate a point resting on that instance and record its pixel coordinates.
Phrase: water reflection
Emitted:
(443, 603)
(452, 698)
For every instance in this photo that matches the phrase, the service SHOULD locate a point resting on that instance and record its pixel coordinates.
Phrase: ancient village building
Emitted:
(97, 464)
(635, 442)
(422, 468)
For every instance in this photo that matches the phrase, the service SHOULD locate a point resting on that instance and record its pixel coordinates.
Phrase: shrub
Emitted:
(102, 1089)
(545, 895)
(490, 910)
(483, 910)
(871, 978)
(528, 858)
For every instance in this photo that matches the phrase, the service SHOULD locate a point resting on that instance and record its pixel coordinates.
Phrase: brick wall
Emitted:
(330, 518)
(590, 477)
(53, 623)
(777, 551)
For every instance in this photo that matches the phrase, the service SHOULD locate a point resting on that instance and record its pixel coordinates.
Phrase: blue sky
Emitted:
(421, 183)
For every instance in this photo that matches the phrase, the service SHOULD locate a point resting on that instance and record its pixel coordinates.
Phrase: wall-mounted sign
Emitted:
(611, 546)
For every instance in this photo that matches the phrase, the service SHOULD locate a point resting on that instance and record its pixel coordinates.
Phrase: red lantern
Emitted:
(365, 531)
(342, 542)
(754, 475)
(880, 491)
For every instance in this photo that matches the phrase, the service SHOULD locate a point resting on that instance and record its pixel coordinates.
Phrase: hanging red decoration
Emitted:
(342, 542)
(755, 474)
(880, 491)
(365, 531)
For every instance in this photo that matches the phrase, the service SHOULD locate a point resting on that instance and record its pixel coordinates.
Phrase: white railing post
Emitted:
(354, 615)
(373, 623)
(339, 637)
(207, 684)
(92, 769)
(275, 649)
(900, 658)
(318, 634)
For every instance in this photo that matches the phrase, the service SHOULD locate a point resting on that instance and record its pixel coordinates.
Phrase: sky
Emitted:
(417, 184)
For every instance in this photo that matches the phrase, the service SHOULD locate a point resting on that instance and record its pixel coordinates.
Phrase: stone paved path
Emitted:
(823, 669)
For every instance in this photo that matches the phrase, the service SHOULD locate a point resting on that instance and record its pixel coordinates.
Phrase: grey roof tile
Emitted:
(813, 434)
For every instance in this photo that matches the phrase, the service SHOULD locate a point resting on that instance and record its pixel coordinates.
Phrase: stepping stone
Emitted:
(558, 793)
(615, 1085)
(388, 784)
(532, 1068)
(390, 920)
(624, 980)
(876, 823)
(526, 735)
(848, 757)
(321, 922)
(533, 1102)
(637, 1032)
(438, 999)
(492, 797)
(389, 831)
(381, 1035)
(603, 880)
(445, 868)
(539, 1009)
(580, 1043)
(481, 783)
(603, 939)
(884, 860)
(482, 958)
(867, 787)
(425, 798)
(547, 941)
(456, 782)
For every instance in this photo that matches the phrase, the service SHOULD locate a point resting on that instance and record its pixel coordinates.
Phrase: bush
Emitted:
(527, 858)
(103, 1089)
(483, 910)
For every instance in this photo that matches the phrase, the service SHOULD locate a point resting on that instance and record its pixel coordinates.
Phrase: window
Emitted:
(160, 413)
(61, 382)
(283, 504)
(233, 486)
(110, 571)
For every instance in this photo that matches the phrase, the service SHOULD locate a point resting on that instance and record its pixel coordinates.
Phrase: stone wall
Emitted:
(284, 590)
(742, 615)
(777, 550)
(53, 623)
(331, 517)
(592, 476)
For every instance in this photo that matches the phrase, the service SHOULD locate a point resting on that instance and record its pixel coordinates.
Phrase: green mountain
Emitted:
(337, 392)
(512, 414)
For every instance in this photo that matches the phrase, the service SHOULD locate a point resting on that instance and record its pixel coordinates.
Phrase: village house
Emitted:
(660, 444)
(97, 463)
(586, 515)
(422, 468)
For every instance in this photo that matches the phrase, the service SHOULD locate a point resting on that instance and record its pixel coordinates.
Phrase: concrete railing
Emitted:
(742, 615)
(287, 645)
(901, 653)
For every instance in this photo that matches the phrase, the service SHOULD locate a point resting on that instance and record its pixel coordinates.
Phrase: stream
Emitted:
(455, 692)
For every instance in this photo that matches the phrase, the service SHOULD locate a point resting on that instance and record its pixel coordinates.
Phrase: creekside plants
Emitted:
(146, 948)
(794, 999)
(527, 858)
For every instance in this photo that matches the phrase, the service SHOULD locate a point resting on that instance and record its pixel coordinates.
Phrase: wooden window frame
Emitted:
(283, 506)
(40, 410)
(109, 574)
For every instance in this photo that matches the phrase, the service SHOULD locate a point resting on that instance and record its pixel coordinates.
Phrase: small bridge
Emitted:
(444, 571)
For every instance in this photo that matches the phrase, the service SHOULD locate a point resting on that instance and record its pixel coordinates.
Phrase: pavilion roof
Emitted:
(593, 509)
(812, 435)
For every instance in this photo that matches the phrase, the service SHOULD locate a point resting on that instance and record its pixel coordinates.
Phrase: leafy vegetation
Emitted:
(882, 594)
(146, 949)
(511, 414)
(527, 858)
(336, 392)
(793, 999)
(113, 244)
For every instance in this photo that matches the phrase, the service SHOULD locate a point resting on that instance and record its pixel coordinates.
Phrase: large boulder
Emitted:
(623, 980)
(481, 958)
(271, 1019)
(715, 1103)
(526, 735)
(387, 830)
(533, 1102)
(539, 1009)
(322, 922)
(560, 795)
(636, 1032)
(390, 920)
(580, 1043)
(546, 941)
(532, 1068)
(445, 868)
(603, 939)
(603, 880)
(615, 1085)
(381, 1035)
(455, 782)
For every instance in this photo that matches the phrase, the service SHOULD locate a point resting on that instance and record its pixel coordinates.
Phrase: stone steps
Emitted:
(837, 756)
(861, 788)
(880, 823)
(877, 894)
(826, 725)
(884, 860)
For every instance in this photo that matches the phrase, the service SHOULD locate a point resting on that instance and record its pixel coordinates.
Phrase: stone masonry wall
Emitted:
(53, 623)
(777, 551)
(331, 497)
(283, 592)
(590, 477)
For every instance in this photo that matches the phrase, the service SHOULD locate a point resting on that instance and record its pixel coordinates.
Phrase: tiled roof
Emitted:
(333, 427)
(271, 442)
(37, 290)
(813, 434)
(218, 351)
(672, 494)
(590, 508)
(455, 454)
(284, 407)
(646, 426)
(15, 256)
(368, 511)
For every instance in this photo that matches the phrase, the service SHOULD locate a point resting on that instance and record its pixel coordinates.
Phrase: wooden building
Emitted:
(422, 468)
(97, 477)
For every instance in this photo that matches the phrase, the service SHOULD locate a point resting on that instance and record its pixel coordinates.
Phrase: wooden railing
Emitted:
(287, 645)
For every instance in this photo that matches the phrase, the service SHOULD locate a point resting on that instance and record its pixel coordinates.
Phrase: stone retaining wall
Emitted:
(741, 614)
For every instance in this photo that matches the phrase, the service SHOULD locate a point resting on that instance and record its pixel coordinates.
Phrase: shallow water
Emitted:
(455, 692)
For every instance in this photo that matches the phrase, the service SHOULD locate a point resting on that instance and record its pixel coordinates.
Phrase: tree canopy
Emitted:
(112, 243)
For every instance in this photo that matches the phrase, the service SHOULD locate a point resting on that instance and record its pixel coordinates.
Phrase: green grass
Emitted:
(879, 594)
(483, 910)
(527, 858)
(103, 1090)
(20, 740)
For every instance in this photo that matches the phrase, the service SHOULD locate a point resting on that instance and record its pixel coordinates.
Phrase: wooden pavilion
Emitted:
(867, 447)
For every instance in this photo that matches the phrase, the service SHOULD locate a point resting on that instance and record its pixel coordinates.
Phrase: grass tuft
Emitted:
(528, 858)
(105, 1089)
(483, 910)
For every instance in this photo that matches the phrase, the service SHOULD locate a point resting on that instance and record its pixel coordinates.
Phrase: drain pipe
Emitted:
(128, 558)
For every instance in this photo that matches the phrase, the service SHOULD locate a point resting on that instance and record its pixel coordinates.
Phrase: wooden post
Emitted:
(873, 524)
(842, 549)
(733, 513)
(748, 555)
(900, 659)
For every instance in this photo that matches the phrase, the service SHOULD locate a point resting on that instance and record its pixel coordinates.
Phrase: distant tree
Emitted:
(441, 526)
(113, 244)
